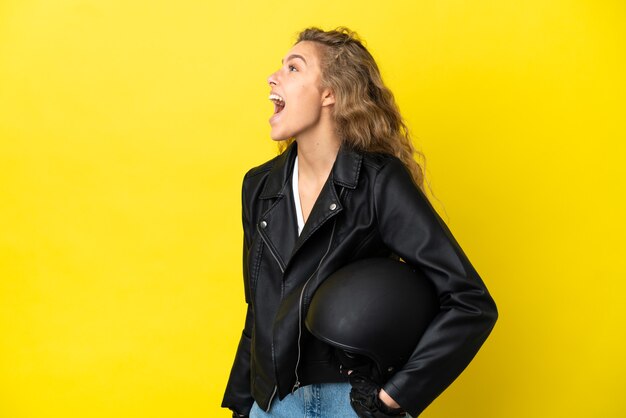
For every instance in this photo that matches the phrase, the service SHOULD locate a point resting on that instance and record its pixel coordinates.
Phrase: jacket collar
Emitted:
(345, 171)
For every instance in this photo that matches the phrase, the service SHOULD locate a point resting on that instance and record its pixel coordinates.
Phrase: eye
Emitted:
(292, 68)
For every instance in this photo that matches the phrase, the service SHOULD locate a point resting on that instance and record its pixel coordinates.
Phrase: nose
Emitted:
(271, 80)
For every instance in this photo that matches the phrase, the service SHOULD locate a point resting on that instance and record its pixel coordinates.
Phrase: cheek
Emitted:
(310, 98)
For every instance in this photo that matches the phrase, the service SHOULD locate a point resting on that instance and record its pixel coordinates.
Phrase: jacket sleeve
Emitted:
(237, 396)
(411, 228)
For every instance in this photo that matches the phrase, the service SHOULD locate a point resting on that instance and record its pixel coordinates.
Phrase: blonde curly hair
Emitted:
(365, 111)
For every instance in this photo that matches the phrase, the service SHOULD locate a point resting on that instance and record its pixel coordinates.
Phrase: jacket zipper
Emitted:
(269, 405)
(330, 243)
(269, 247)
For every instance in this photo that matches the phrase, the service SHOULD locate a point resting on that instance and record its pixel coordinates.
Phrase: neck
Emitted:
(317, 149)
(317, 152)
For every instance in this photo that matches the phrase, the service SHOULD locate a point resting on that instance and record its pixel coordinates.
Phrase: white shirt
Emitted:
(296, 196)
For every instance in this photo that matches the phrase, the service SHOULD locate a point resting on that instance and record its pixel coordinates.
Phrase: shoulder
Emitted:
(389, 176)
(261, 169)
(379, 162)
(256, 178)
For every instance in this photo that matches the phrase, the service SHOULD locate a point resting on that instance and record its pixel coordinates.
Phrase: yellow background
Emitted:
(126, 128)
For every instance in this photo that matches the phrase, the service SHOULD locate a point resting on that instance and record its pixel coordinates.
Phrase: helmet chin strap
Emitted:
(350, 363)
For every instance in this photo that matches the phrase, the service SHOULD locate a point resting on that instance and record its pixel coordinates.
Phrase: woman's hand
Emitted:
(366, 398)
(388, 400)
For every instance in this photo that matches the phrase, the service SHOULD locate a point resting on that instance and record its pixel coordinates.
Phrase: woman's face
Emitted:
(296, 93)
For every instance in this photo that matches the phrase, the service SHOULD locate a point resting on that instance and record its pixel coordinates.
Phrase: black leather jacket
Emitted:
(369, 206)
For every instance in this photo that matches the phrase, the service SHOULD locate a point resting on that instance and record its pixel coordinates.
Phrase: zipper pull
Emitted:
(295, 387)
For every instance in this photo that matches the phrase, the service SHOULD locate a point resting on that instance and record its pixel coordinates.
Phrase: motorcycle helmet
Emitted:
(373, 311)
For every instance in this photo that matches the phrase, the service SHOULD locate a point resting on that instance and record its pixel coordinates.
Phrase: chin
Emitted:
(279, 136)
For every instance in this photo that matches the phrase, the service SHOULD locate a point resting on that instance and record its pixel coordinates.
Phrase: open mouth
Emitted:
(279, 102)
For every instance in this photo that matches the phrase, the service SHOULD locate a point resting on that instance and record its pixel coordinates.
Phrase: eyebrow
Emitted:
(294, 56)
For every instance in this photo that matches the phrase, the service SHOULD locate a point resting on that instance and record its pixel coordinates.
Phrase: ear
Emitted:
(328, 97)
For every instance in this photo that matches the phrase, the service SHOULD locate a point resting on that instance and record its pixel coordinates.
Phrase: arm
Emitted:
(411, 228)
(237, 396)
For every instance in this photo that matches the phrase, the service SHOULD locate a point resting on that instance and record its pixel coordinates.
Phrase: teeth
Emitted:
(276, 97)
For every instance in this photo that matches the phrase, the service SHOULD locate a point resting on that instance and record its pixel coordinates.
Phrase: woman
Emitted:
(346, 187)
